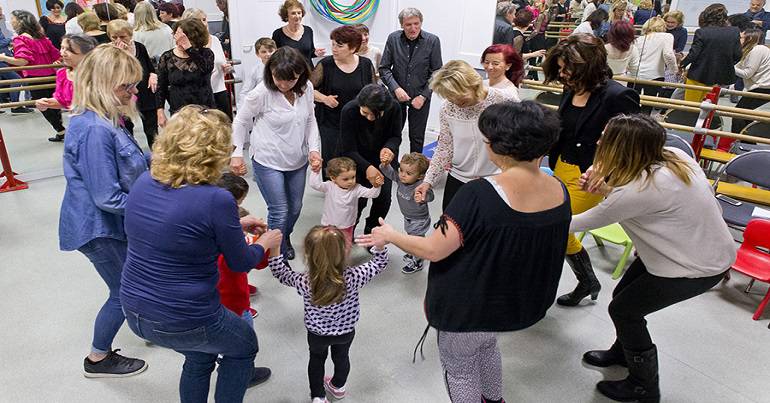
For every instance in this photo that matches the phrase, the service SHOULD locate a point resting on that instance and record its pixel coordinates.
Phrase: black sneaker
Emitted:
(289, 254)
(21, 110)
(413, 265)
(113, 366)
(260, 375)
(58, 138)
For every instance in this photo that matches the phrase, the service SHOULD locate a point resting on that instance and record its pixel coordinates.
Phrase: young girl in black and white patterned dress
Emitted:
(330, 291)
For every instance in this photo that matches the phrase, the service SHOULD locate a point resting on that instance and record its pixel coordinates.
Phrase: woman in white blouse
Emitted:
(461, 149)
(284, 138)
(656, 55)
(662, 199)
(221, 65)
(592, 23)
(622, 55)
(504, 68)
(156, 36)
(754, 69)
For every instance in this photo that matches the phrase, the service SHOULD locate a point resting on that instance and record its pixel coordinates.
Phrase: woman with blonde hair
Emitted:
(91, 25)
(101, 163)
(664, 202)
(644, 12)
(619, 12)
(156, 36)
(656, 56)
(461, 147)
(178, 222)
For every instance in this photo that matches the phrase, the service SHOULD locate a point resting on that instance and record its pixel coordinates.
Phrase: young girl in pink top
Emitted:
(31, 47)
(73, 49)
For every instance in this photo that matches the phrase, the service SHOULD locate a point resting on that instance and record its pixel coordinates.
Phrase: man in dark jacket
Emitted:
(410, 57)
(759, 17)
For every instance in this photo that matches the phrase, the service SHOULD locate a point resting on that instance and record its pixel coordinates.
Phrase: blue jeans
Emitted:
(246, 315)
(282, 191)
(108, 256)
(10, 75)
(227, 335)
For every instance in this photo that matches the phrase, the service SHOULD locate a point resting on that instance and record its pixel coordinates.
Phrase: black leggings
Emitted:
(452, 186)
(649, 90)
(222, 101)
(319, 348)
(53, 116)
(380, 205)
(748, 103)
(640, 293)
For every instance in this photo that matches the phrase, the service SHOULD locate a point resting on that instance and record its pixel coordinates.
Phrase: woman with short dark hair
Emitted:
(184, 73)
(337, 80)
(53, 23)
(294, 34)
(590, 99)
(370, 134)
(284, 139)
(72, 10)
(497, 250)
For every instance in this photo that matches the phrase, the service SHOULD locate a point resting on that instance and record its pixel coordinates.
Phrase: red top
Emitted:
(35, 51)
(233, 286)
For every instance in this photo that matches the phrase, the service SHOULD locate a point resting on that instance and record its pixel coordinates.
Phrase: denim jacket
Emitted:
(101, 163)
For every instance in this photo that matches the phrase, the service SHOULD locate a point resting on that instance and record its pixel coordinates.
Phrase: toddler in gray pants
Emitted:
(411, 172)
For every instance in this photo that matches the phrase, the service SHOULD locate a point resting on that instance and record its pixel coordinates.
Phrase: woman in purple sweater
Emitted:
(177, 223)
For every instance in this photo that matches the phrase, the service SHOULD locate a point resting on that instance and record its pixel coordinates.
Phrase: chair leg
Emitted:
(622, 263)
(748, 287)
(761, 306)
(598, 240)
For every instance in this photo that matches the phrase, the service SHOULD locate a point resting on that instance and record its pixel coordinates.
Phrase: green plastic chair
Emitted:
(613, 233)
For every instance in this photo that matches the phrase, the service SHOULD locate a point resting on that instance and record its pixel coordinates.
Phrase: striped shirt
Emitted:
(335, 319)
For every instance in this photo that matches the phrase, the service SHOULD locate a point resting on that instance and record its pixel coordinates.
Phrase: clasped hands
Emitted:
(592, 183)
(402, 96)
(268, 239)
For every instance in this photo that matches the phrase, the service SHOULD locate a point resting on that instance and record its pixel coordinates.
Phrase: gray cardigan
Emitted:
(398, 70)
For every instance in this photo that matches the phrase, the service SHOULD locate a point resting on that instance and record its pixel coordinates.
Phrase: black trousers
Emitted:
(418, 121)
(450, 189)
(53, 116)
(380, 205)
(649, 90)
(748, 103)
(330, 146)
(222, 101)
(640, 293)
(319, 348)
(149, 123)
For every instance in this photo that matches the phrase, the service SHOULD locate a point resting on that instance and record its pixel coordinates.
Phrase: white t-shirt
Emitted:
(252, 80)
(72, 27)
(583, 28)
(340, 205)
(507, 87)
(218, 74)
(282, 134)
(157, 41)
(375, 55)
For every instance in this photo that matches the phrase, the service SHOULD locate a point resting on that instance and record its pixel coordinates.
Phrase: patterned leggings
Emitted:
(472, 366)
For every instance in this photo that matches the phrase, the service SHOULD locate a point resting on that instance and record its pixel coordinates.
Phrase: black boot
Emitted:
(642, 382)
(288, 253)
(606, 358)
(587, 282)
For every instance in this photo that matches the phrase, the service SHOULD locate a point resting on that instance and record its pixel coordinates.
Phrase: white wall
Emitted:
(693, 8)
(464, 27)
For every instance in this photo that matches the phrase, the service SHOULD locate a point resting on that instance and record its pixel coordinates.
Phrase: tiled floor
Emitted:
(710, 349)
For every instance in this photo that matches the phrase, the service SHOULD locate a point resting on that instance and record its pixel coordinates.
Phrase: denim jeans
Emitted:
(9, 75)
(246, 315)
(283, 192)
(108, 256)
(227, 335)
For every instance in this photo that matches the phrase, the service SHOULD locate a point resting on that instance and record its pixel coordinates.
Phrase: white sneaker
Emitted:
(319, 400)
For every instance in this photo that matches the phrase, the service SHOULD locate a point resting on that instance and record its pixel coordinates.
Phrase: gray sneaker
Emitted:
(113, 366)
(413, 265)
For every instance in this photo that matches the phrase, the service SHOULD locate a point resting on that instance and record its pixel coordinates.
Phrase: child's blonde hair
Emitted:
(417, 160)
(325, 256)
(339, 165)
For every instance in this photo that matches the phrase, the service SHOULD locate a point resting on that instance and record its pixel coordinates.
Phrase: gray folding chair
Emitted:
(672, 140)
(687, 118)
(752, 167)
(756, 129)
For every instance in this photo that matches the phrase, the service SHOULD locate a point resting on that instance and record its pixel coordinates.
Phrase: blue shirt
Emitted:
(680, 38)
(763, 16)
(101, 163)
(174, 239)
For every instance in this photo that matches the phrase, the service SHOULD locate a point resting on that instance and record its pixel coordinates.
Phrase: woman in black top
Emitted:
(590, 99)
(337, 80)
(53, 24)
(497, 251)
(370, 128)
(121, 33)
(294, 34)
(184, 73)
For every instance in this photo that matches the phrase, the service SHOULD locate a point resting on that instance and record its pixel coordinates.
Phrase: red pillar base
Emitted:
(12, 184)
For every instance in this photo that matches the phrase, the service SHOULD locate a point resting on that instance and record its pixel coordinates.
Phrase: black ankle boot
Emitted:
(642, 382)
(289, 253)
(606, 358)
(587, 283)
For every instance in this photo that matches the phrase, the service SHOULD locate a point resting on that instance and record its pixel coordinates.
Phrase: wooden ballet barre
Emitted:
(716, 133)
(33, 67)
(17, 104)
(27, 88)
(30, 80)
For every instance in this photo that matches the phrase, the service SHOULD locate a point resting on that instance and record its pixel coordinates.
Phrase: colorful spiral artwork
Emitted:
(355, 13)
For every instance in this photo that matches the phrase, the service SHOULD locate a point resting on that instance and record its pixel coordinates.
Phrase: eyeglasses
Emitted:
(128, 87)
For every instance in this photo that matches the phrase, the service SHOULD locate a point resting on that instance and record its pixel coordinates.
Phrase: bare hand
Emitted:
(237, 166)
(152, 83)
(374, 176)
(162, 118)
(421, 192)
(253, 225)
(316, 162)
(401, 95)
(386, 156)
(592, 183)
(379, 237)
(227, 68)
(182, 40)
(331, 101)
(46, 103)
(320, 52)
(418, 102)
(271, 240)
(537, 53)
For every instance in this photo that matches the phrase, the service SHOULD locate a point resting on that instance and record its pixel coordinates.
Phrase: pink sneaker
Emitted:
(252, 290)
(320, 400)
(338, 393)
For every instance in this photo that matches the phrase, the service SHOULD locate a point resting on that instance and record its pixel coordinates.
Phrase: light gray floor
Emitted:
(710, 349)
